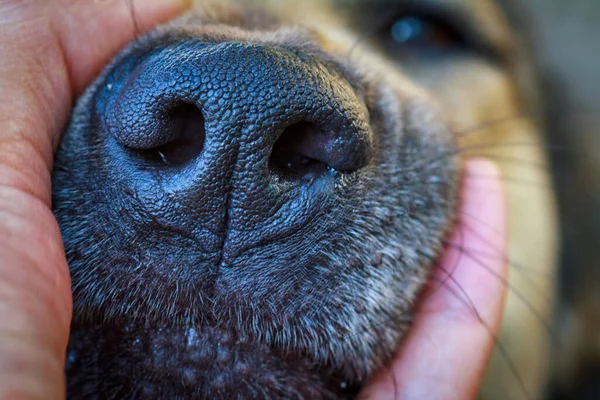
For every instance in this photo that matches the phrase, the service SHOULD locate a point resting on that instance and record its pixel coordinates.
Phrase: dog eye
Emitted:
(413, 30)
(418, 33)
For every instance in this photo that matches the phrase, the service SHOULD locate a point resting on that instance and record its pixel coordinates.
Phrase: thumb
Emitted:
(51, 50)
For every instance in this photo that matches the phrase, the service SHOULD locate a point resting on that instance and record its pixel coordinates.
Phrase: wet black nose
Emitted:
(245, 95)
(237, 123)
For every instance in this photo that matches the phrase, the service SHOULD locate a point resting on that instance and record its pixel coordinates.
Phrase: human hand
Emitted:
(51, 50)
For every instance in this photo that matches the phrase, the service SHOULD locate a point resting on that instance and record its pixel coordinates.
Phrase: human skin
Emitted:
(51, 50)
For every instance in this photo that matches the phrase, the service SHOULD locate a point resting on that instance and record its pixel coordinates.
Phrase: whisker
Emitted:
(499, 257)
(517, 293)
(482, 178)
(459, 292)
(502, 144)
(489, 124)
(514, 180)
(444, 155)
(503, 259)
(457, 261)
(483, 223)
(498, 344)
(501, 159)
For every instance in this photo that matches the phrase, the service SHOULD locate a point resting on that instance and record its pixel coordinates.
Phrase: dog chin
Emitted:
(191, 361)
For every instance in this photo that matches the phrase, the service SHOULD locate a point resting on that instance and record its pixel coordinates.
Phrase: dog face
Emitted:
(252, 196)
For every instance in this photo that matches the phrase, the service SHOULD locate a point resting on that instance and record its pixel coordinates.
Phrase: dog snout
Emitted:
(243, 141)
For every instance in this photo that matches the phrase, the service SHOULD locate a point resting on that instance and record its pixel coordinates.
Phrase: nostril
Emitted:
(299, 152)
(305, 148)
(185, 124)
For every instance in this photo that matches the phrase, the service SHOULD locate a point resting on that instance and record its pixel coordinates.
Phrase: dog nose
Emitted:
(246, 122)
(184, 95)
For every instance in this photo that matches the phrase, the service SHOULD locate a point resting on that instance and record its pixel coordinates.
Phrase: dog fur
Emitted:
(320, 300)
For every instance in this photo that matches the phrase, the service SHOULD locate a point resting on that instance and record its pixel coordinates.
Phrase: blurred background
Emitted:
(566, 43)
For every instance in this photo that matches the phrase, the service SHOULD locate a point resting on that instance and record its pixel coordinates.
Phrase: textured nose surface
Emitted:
(241, 134)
